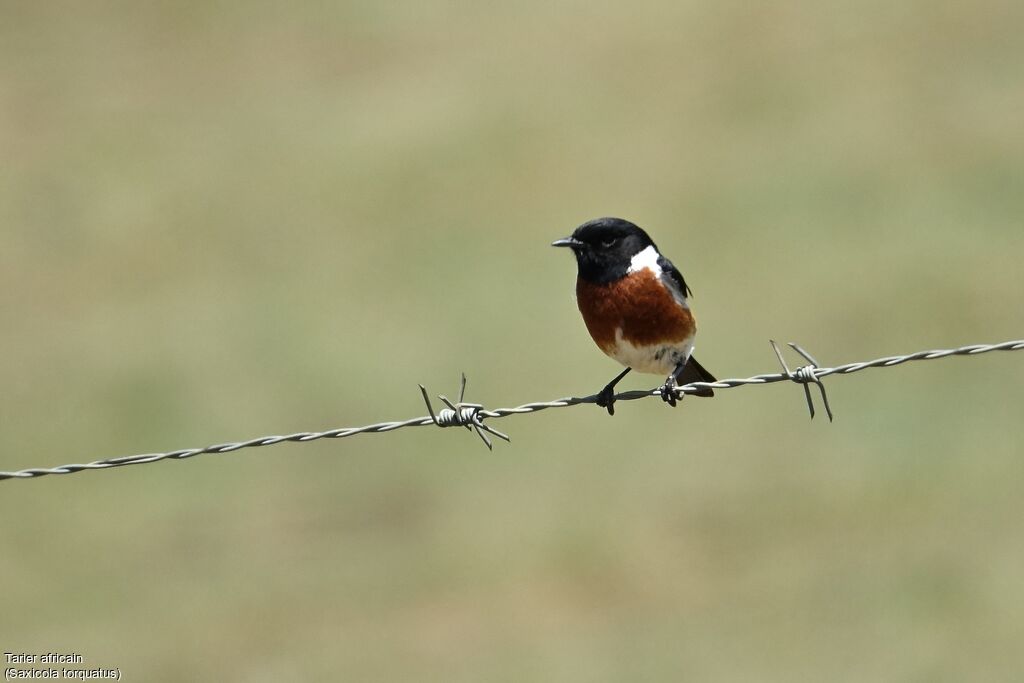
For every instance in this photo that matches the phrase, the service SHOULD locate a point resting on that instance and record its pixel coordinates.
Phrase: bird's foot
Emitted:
(606, 398)
(668, 391)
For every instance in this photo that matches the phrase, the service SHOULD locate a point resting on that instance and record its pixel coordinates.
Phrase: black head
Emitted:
(604, 248)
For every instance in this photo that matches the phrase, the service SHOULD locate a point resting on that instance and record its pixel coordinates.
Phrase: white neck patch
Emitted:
(648, 258)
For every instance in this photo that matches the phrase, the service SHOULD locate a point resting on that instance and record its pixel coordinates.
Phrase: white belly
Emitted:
(656, 360)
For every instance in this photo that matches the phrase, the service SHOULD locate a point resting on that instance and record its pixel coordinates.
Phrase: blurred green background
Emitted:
(224, 220)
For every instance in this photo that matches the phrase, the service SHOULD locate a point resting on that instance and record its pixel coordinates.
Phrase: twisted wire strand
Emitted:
(471, 415)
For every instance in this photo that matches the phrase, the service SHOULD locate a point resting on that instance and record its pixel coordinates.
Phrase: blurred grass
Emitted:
(225, 220)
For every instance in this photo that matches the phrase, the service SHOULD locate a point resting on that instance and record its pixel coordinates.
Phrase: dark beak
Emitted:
(567, 242)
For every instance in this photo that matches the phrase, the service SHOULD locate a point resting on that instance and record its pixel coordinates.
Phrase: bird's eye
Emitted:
(608, 243)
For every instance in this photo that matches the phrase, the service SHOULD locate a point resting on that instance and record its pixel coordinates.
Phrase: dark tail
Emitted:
(695, 372)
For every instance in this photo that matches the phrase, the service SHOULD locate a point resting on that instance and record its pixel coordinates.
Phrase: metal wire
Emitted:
(472, 415)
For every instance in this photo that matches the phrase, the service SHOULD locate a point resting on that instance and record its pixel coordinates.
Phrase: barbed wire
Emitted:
(472, 415)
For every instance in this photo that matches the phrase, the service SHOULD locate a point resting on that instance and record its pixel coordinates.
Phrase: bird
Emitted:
(635, 304)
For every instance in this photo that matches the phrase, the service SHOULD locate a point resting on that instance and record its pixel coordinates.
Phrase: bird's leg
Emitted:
(668, 389)
(606, 397)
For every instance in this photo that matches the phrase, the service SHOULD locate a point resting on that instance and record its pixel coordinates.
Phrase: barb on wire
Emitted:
(804, 375)
(462, 413)
(472, 415)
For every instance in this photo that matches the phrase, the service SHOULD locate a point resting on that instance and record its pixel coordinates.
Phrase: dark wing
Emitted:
(673, 279)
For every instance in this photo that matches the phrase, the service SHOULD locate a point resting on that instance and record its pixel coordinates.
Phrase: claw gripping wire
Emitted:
(462, 414)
